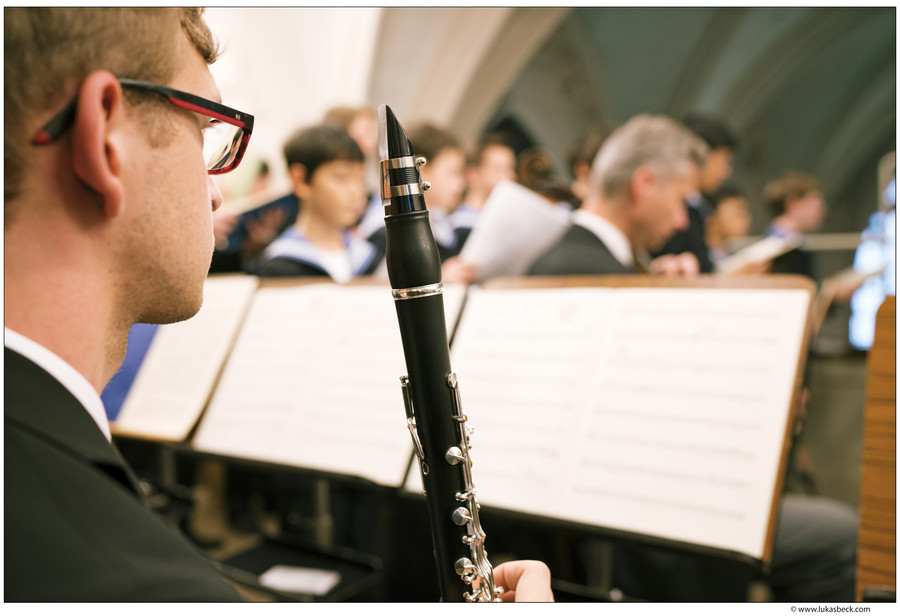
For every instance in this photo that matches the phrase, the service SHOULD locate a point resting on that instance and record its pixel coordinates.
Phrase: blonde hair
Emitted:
(49, 51)
(656, 141)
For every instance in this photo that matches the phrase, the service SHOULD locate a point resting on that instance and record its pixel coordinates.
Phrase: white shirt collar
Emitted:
(70, 378)
(608, 233)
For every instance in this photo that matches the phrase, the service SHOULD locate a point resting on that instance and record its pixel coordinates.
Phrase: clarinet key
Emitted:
(464, 566)
(454, 456)
(461, 516)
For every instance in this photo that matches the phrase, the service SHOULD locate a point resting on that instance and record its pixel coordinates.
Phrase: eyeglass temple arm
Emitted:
(57, 125)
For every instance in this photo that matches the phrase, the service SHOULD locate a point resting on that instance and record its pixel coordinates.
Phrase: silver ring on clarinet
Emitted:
(415, 292)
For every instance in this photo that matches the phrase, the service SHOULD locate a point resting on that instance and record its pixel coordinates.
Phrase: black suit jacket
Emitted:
(578, 251)
(76, 527)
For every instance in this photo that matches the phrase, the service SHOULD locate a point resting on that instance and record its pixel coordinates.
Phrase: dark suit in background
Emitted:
(76, 527)
(579, 251)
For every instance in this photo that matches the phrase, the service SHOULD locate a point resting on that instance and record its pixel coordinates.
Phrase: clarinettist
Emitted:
(108, 212)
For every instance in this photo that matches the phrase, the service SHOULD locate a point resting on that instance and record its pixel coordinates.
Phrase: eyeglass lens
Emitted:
(221, 143)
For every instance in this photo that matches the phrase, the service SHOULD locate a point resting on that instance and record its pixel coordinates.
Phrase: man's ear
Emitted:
(96, 155)
(642, 181)
(299, 180)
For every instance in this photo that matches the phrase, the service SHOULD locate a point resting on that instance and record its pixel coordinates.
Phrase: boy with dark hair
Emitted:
(327, 171)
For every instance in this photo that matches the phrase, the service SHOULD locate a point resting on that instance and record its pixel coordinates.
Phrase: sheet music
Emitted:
(314, 382)
(514, 228)
(657, 411)
(182, 363)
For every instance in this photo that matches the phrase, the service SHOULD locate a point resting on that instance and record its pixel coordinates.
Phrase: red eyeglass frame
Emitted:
(61, 121)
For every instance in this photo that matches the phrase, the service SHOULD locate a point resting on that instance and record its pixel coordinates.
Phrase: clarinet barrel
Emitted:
(430, 390)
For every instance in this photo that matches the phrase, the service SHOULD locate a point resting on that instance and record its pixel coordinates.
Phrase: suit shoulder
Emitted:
(72, 533)
(578, 252)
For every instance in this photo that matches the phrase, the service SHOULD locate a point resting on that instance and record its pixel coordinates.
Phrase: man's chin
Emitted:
(180, 310)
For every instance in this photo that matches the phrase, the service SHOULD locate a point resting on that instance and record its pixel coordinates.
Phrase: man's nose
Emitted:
(215, 195)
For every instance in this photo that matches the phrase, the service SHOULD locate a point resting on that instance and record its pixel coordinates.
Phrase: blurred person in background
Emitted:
(728, 221)
(581, 155)
(798, 206)
(444, 170)
(361, 123)
(535, 171)
(492, 161)
(639, 180)
(714, 172)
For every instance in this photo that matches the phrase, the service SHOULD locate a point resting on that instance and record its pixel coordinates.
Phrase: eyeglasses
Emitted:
(225, 138)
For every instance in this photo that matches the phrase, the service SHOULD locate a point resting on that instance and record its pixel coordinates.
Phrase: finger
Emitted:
(527, 580)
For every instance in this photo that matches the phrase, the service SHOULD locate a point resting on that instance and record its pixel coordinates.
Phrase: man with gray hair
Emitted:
(638, 184)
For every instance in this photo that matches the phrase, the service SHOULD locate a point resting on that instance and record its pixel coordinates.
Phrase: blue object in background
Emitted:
(875, 251)
(113, 395)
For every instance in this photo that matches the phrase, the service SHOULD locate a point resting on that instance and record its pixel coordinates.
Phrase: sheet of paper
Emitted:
(514, 228)
(314, 382)
(762, 251)
(183, 361)
(656, 411)
(300, 579)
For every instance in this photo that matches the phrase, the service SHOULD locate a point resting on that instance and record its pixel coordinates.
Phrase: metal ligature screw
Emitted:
(426, 185)
(461, 516)
(420, 161)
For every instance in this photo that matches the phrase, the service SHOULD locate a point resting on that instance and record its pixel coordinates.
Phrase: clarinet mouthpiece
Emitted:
(391, 134)
(402, 186)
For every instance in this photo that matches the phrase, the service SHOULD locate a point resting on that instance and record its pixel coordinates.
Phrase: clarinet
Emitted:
(430, 391)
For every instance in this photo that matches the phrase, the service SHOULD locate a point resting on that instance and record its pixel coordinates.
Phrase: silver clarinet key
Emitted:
(461, 516)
